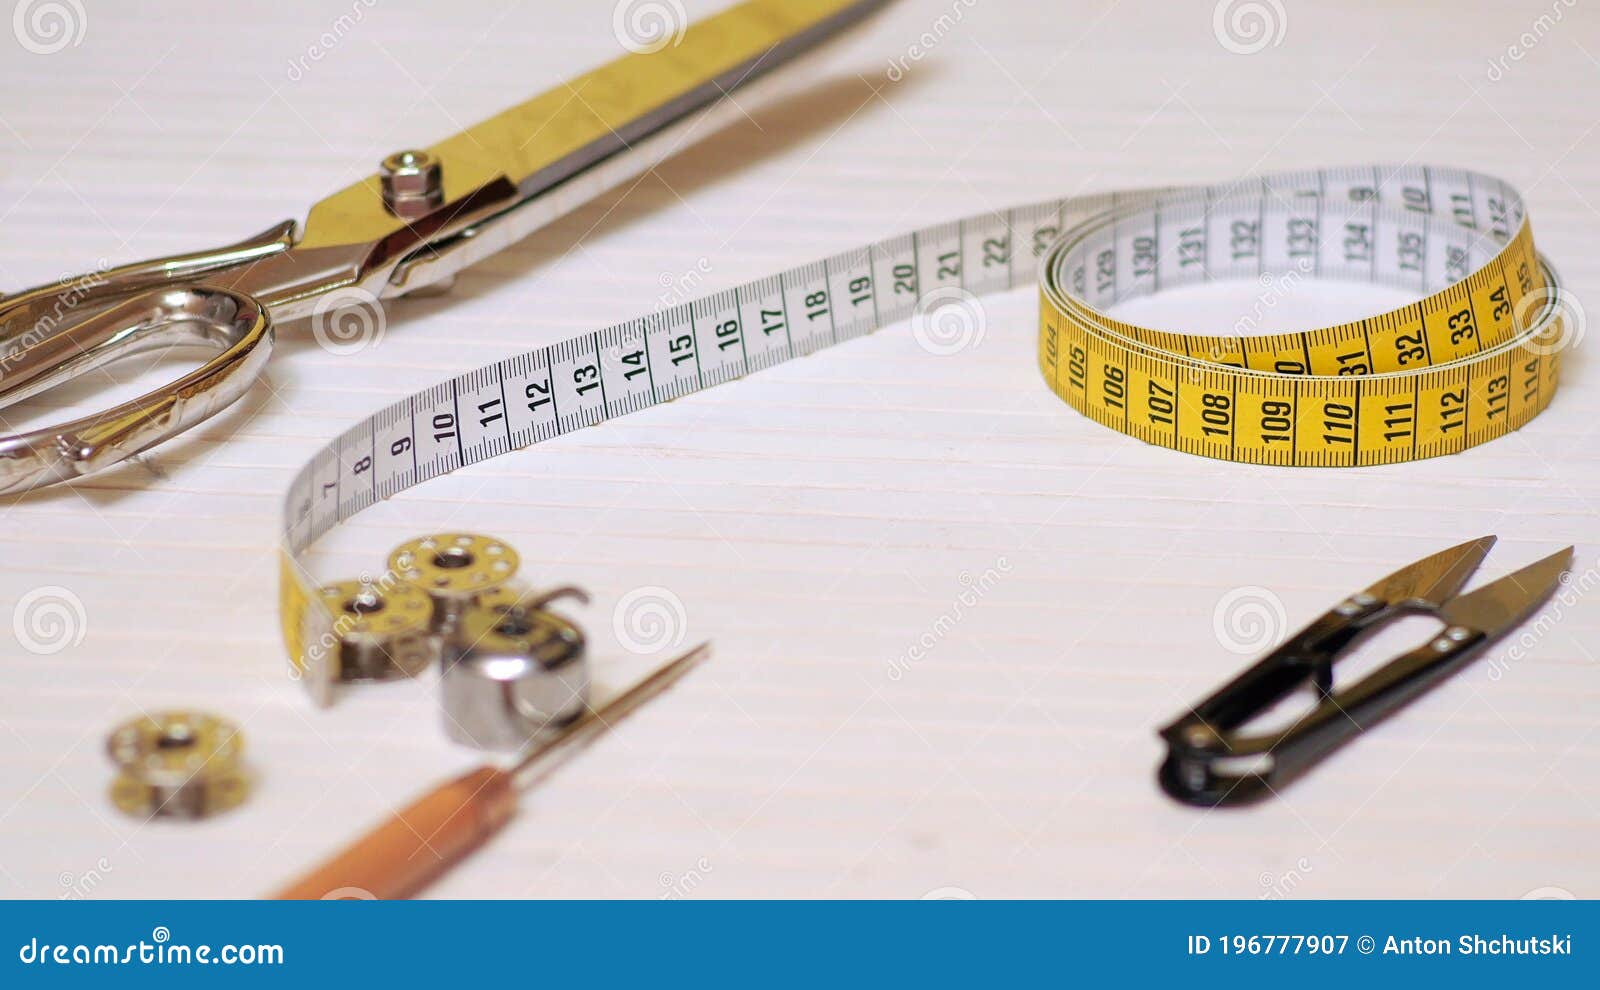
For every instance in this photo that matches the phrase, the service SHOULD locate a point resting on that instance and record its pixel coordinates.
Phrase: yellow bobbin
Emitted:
(177, 764)
(382, 630)
(454, 569)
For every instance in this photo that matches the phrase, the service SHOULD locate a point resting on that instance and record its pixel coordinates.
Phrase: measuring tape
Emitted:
(1476, 357)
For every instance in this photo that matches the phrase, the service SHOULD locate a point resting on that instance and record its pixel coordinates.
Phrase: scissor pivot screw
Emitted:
(1356, 604)
(413, 183)
(1201, 736)
(177, 764)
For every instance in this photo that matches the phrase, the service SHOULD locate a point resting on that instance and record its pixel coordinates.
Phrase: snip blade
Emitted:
(1500, 605)
(1436, 577)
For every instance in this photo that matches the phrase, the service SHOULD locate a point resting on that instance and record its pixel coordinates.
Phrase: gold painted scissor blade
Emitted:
(443, 208)
(565, 129)
(528, 151)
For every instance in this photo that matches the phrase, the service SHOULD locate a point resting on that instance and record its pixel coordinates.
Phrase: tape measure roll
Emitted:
(1475, 357)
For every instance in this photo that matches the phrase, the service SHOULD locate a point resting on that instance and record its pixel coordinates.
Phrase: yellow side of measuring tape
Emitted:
(1452, 370)
(1476, 356)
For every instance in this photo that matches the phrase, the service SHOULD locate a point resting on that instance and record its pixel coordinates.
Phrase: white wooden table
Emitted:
(820, 521)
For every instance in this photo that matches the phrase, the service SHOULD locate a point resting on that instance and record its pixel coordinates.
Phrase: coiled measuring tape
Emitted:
(1475, 357)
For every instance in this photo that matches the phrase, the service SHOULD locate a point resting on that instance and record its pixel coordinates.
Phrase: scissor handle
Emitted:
(181, 315)
(1210, 764)
(1208, 761)
(1308, 655)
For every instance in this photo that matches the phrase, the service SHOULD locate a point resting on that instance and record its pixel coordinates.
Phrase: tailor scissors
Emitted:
(424, 216)
(1210, 761)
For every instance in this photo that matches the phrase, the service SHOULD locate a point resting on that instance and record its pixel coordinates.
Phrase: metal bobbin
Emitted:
(513, 671)
(177, 764)
(454, 569)
(383, 632)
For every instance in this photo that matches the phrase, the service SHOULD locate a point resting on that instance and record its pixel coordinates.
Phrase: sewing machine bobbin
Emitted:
(383, 633)
(177, 764)
(454, 569)
(510, 674)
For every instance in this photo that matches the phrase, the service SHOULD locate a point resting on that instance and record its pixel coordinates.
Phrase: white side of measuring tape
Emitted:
(1428, 230)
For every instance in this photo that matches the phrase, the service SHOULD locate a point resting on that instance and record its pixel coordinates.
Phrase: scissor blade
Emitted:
(1500, 605)
(509, 175)
(545, 140)
(1435, 578)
